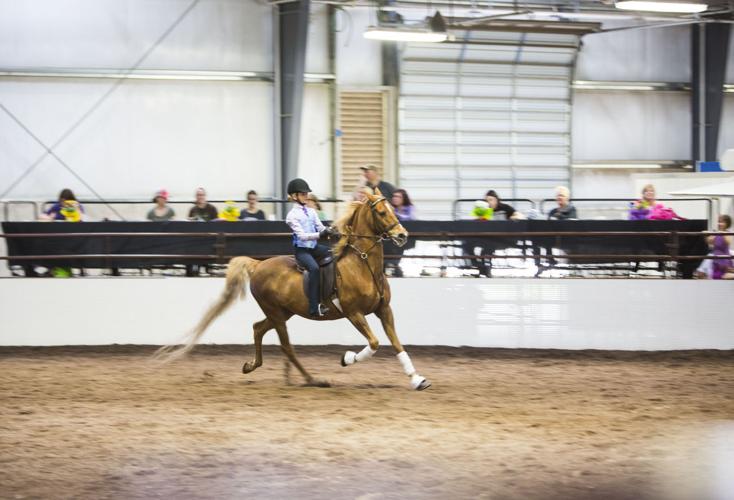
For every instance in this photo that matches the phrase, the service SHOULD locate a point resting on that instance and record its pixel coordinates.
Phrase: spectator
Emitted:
(564, 210)
(500, 210)
(721, 245)
(649, 208)
(371, 179)
(202, 210)
(67, 208)
(313, 202)
(252, 212)
(404, 208)
(230, 213)
(161, 212)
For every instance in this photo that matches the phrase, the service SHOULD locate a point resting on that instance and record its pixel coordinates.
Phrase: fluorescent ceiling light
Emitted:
(638, 166)
(405, 35)
(651, 6)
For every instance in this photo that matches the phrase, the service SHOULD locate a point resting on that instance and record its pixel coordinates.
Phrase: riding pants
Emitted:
(307, 258)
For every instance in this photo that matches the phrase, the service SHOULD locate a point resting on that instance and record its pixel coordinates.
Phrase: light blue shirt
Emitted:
(306, 226)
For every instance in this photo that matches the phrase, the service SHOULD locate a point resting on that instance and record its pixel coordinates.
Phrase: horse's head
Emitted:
(384, 220)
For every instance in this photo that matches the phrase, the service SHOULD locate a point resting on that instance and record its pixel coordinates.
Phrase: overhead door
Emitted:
(489, 111)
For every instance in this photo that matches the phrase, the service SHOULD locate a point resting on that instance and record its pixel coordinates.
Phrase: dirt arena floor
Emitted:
(107, 423)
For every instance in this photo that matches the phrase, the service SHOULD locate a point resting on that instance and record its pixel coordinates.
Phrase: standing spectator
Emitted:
(202, 210)
(67, 208)
(372, 179)
(161, 212)
(313, 202)
(404, 208)
(252, 212)
(721, 245)
(564, 210)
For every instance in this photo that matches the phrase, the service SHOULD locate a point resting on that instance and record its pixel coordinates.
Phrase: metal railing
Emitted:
(672, 244)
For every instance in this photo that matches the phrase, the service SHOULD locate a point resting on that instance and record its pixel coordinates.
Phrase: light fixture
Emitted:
(652, 6)
(404, 34)
(434, 31)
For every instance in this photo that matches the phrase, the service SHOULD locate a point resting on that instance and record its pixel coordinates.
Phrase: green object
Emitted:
(61, 272)
(482, 213)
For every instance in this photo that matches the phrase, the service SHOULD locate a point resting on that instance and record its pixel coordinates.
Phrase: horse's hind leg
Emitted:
(417, 382)
(287, 348)
(259, 330)
(360, 323)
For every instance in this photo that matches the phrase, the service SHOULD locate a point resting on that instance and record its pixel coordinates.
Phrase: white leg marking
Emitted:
(365, 354)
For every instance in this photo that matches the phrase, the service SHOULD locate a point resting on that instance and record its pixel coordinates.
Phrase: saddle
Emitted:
(327, 268)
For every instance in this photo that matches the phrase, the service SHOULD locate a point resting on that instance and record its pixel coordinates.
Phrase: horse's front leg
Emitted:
(417, 382)
(360, 323)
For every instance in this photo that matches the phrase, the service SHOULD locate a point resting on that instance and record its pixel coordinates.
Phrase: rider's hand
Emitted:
(326, 232)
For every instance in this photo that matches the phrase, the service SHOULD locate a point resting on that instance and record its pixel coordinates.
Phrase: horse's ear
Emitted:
(378, 192)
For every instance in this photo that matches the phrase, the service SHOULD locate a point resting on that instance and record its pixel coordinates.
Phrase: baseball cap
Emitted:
(369, 166)
(162, 193)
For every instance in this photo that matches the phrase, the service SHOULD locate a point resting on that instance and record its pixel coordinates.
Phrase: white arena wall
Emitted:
(507, 313)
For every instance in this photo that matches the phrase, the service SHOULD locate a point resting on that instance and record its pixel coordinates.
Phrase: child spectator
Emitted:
(721, 245)
(66, 209)
(313, 202)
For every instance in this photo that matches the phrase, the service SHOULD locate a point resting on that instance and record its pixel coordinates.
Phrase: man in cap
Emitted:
(372, 180)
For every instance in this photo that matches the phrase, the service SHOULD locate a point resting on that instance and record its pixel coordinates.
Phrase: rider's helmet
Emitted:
(298, 185)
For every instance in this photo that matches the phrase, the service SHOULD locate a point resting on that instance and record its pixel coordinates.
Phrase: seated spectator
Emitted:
(66, 209)
(161, 212)
(252, 212)
(202, 210)
(721, 245)
(649, 209)
(564, 210)
(230, 213)
(498, 209)
(313, 202)
(404, 208)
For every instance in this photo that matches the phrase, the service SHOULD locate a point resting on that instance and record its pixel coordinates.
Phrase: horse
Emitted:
(361, 289)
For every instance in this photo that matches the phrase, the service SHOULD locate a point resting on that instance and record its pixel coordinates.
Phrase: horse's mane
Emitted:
(342, 224)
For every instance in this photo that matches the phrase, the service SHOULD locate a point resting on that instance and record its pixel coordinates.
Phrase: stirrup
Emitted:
(322, 311)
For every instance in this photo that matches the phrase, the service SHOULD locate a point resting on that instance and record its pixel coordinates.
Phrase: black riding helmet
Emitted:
(298, 185)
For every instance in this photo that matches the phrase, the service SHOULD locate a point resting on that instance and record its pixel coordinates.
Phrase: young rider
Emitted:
(307, 229)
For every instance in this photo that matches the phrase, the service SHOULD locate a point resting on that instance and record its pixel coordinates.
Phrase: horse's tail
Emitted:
(238, 272)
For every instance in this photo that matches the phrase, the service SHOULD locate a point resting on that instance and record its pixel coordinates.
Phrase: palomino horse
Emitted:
(362, 289)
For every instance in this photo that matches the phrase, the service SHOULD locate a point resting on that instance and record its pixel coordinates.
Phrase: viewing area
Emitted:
(533, 246)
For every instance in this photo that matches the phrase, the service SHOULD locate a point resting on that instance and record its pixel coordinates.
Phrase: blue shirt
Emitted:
(306, 226)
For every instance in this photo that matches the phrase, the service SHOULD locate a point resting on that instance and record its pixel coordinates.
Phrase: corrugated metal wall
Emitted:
(491, 110)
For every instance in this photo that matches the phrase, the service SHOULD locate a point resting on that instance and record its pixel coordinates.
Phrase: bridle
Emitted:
(376, 240)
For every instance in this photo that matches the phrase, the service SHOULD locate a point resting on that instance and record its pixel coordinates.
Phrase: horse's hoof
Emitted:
(348, 358)
(248, 367)
(419, 383)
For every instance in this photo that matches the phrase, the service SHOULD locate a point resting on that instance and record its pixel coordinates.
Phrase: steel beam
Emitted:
(292, 39)
(709, 47)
